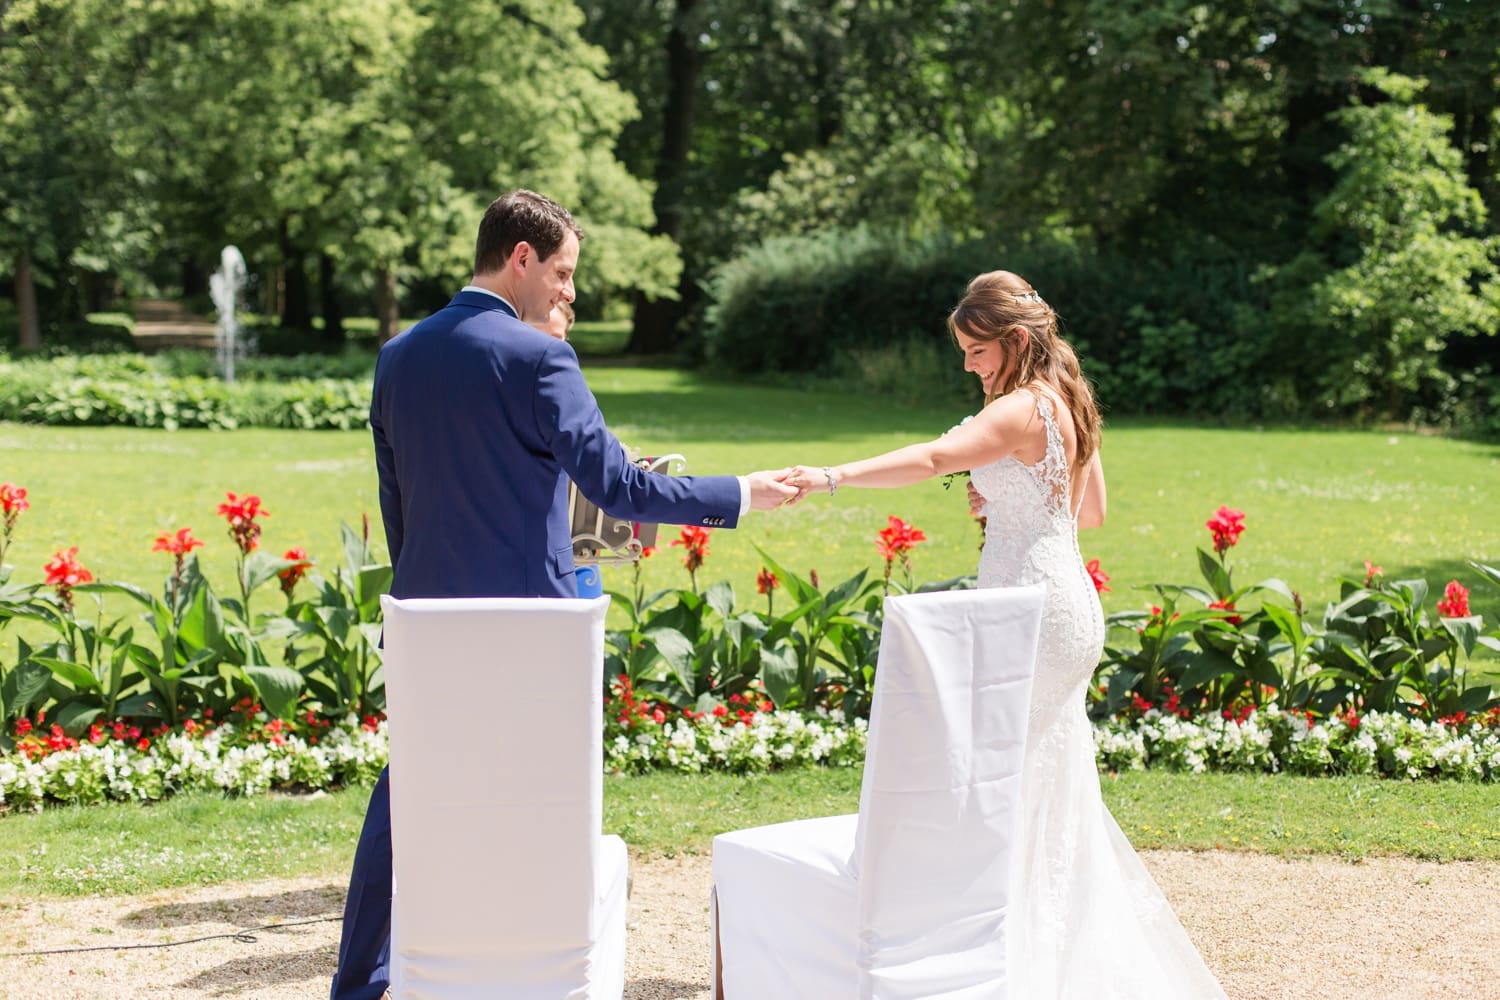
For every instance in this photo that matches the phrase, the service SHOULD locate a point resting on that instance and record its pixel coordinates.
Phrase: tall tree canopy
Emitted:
(363, 135)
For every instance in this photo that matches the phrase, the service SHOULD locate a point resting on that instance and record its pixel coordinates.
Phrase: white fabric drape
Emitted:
(504, 885)
(908, 900)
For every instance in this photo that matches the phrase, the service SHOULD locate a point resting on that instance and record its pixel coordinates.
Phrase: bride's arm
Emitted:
(996, 432)
(1091, 511)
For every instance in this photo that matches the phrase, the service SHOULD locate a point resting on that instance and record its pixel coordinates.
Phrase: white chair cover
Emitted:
(503, 884)
(908, 900)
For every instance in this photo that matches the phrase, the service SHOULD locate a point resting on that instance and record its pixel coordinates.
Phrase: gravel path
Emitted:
(1315, 929)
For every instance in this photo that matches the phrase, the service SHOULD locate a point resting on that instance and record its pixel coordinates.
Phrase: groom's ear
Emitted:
(522, 256)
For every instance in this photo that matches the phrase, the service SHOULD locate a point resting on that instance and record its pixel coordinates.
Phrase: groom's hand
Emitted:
(768, 490)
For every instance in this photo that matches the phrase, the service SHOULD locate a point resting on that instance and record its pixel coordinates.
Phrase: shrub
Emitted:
(97, 333)
(792, 303)
(133, 391)
(1174, 335)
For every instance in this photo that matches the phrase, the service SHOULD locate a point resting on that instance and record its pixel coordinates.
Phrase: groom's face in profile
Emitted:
(545, 283)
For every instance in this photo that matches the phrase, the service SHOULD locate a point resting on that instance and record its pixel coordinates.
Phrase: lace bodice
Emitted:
(1030, 500)
(1031, 536)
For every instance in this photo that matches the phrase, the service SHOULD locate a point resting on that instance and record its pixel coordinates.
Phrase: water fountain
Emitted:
(224, 287)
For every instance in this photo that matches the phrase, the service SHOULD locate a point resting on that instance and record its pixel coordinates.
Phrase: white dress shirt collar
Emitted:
(485, 291)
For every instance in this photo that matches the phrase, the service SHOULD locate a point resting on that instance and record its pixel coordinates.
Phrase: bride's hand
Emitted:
(976, 501)
(806, 479)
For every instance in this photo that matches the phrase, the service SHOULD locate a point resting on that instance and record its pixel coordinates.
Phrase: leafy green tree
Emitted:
(514, 97)
(745, 102)
(61, 201)
(1400, 265)
(365, 135)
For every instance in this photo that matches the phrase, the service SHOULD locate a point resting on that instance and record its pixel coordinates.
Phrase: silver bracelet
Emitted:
(833, 483)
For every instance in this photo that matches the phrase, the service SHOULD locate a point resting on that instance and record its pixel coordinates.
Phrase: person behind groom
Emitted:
(479, 421)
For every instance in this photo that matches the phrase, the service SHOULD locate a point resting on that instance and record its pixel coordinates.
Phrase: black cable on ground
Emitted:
(245, 936)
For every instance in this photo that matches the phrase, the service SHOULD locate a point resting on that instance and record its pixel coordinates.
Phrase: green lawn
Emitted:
(1275, 814)
(201, 839)
(1318, 502)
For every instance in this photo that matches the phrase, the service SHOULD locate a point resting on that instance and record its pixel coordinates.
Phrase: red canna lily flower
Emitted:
(1226, 525)
(241, 513)
(766, 581)
(1455, 602)
(292, 574)
(179, 544)
(65, 572)
(12, 501)
(1098, 576)
(1225, 606)
(695, 540)
(1372, 573)
(897, 538)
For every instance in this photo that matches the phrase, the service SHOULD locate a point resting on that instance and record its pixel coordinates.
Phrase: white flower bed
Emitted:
(768, 740)
(1268, 740)
(1271, 740)
(218, 760)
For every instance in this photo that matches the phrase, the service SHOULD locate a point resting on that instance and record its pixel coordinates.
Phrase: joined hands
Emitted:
(769, 489)
(774, 488)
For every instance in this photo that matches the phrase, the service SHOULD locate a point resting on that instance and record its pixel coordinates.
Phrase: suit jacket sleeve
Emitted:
(390, 489)
(569, 420)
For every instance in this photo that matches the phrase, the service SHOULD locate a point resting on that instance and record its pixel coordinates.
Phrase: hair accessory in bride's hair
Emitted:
(1031, 296)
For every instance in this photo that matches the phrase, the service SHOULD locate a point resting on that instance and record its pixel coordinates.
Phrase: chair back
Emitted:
(496, 744)
(940, 803)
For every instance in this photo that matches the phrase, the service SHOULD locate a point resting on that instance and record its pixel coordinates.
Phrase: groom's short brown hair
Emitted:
(519, 216)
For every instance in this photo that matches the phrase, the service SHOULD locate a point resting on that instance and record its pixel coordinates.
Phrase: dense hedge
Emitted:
(1193, 334)
(179, 390)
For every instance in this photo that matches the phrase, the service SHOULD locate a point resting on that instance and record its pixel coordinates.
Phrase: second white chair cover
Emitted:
(908, 900)
(503, 884)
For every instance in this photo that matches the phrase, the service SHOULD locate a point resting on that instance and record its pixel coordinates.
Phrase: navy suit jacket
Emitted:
(479, 422)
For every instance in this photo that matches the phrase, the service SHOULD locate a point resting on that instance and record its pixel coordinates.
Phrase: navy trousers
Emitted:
(364, 971)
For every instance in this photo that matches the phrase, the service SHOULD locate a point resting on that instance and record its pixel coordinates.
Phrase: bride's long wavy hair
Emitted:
(996, 308)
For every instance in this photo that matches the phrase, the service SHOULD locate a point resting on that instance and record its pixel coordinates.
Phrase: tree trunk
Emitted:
(1481, 159)
(333, 313)
(194, 281)
(95, 288)
(386, 310)
(1309, 136)
(827, 82)
(31, 324)
(655, 322)
(296, 305)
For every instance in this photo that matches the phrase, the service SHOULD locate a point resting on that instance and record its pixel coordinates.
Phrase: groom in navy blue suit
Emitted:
(480, 420)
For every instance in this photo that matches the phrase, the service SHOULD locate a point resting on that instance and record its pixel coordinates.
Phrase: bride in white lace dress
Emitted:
(1088, 921)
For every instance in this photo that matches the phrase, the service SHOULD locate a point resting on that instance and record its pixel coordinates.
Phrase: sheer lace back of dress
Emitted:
(1034, 498)
(1052, 473)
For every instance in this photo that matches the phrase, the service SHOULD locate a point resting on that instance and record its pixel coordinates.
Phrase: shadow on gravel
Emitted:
(663, 989)
(255, 971)
(242, 911)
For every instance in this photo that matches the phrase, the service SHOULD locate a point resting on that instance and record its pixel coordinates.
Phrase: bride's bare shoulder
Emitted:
(1019, 409)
